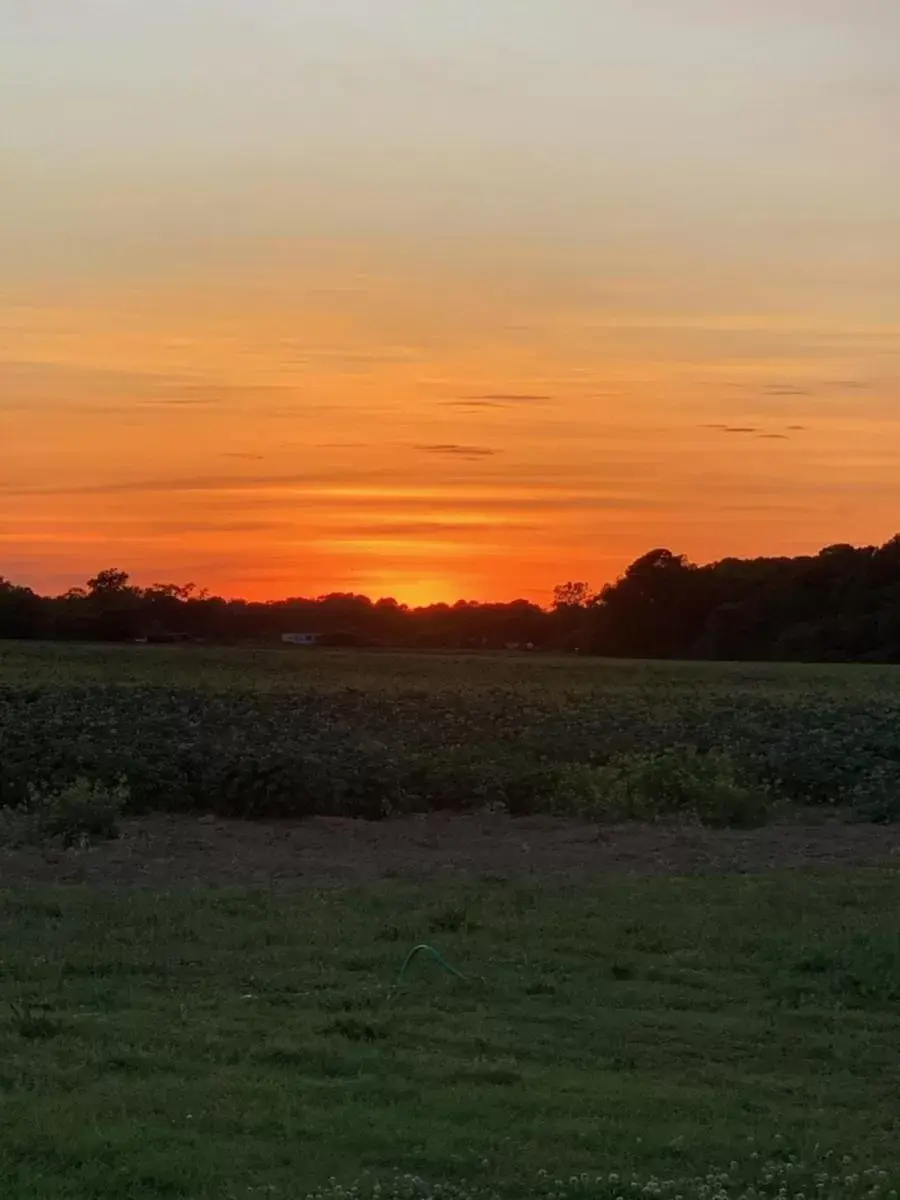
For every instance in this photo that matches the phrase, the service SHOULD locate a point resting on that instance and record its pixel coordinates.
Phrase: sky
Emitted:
(444, 299)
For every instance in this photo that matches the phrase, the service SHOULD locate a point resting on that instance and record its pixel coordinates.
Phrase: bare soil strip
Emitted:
(166, 850)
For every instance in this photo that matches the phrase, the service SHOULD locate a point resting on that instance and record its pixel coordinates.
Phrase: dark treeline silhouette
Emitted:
(841, 605)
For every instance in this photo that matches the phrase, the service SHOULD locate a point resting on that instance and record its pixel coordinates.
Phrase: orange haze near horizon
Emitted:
(490, 322)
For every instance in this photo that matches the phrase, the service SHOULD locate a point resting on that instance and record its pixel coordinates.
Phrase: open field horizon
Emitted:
(318, 882)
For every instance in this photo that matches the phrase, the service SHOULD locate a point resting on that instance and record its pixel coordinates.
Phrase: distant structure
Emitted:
(300, 639)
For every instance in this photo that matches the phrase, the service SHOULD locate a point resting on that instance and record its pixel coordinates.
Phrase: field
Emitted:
(218, 1043)
(274, 733)
(698, 1003)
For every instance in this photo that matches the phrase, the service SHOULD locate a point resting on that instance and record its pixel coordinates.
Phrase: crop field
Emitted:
(274, 733)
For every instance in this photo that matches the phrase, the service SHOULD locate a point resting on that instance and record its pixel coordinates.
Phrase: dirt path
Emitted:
(163, 850)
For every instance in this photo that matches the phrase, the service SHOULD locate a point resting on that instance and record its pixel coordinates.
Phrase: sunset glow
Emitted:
(442, 300)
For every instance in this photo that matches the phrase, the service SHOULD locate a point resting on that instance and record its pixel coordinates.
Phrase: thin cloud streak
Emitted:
(513, 398)
(456, 450)
(720, 428)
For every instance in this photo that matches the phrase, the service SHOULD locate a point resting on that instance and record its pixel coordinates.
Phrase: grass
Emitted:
(213, 1044)
(276, 668)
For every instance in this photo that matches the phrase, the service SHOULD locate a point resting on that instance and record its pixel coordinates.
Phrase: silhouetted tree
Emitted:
(21, 611)
(842, 604)
(654, 610)
(114, 607)
(574, 594)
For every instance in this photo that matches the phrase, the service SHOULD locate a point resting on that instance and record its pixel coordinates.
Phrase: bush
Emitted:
(79, 813)
(710, 788)
(876, 797)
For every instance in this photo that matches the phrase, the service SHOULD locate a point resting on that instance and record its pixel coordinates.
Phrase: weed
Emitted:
(32, 1020)
(750, 1178)
(682, 781)
(75, 814)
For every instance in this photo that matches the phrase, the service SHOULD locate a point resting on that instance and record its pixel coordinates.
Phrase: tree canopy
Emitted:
(840, 605)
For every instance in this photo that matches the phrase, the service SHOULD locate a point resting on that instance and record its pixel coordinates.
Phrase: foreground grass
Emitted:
(212, 1044)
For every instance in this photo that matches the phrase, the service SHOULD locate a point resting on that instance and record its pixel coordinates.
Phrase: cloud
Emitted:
(796, 428)
(750, 429)
(174, 402)
(191, 483)
(732, 428)
(472, 404)
(326, 484)
(245, 455)
(456, 450)
(856, 385)
(392, 529)
(768, 389)
(497, 400)
(515, 397)
(24, 384)
(153, 530)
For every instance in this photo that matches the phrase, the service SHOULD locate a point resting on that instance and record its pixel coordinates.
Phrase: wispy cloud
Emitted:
(456, 450)
(752, 430)
(427, 528)
(109, 389)
(378, 494)
(721, 428)
(497, 400)
(472, 404)
(786, 389)
(515, 397)
(190, 483)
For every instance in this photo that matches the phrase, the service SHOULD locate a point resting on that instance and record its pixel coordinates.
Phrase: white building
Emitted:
(300, 639)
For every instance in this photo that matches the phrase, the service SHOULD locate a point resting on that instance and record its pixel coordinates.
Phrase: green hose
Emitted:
(438, 958)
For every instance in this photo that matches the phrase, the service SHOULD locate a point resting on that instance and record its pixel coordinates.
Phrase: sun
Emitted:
(415, 592)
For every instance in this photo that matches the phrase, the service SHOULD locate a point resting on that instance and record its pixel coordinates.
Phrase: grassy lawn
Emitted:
(213, 1044)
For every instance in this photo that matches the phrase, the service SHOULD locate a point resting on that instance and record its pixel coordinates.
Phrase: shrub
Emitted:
(876, 797)
(75, 814)
(710, 788)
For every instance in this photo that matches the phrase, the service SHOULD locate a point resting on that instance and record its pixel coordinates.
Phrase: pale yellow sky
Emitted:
(444, 299)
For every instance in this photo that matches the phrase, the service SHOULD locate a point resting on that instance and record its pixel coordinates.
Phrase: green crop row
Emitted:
(655, 748)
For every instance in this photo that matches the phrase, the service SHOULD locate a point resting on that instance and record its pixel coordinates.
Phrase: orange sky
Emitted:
(438, 307)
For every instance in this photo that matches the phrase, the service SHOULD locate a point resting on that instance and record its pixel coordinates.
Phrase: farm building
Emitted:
(300, 639)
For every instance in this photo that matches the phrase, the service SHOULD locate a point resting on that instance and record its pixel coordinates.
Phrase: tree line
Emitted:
(840, 605)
